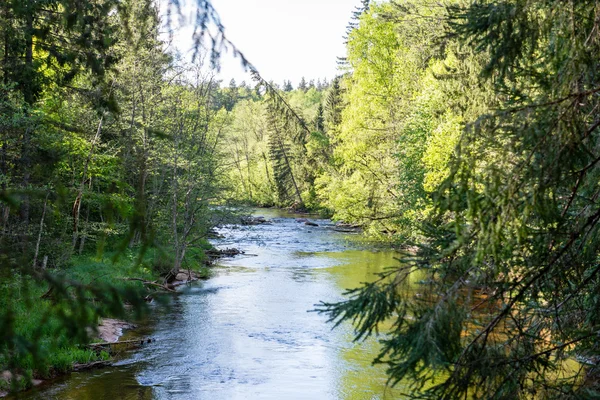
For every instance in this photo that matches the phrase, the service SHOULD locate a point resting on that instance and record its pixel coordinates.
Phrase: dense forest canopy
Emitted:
(497, 131)
(464, 131)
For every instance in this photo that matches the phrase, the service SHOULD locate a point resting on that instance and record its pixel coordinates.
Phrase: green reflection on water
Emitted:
(356, 378)
(359, 378)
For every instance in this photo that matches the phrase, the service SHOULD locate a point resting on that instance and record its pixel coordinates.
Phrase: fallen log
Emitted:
(91, 365)
(137, 342)
(345, 230)
(223, 253)
(150, 283)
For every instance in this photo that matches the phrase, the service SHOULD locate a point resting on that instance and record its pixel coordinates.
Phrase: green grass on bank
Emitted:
(42, 332)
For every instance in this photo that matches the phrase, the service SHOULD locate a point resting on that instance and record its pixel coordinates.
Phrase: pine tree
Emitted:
(302, 85)
(352, 25)
(333, 105)
(287, 86)
(320, 119)
(320, 86)
(509, 264)
(281, 155)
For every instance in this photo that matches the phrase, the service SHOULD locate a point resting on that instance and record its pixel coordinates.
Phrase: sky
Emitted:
(284, 39)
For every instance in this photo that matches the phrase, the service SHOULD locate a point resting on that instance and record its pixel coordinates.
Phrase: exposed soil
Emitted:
(110, 330)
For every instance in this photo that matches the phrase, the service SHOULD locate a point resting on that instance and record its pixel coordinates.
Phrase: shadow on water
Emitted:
(247, 333)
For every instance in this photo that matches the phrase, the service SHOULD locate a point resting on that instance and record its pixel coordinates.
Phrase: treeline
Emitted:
(272, 138)
(372, 145)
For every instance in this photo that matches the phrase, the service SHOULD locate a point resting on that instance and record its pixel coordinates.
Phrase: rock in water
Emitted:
(182, 276)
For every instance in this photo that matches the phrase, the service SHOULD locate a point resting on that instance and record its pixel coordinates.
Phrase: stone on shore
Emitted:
(110, 330)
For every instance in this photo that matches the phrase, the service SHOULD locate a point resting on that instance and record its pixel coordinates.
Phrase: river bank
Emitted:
(246, 332)
(139, 280)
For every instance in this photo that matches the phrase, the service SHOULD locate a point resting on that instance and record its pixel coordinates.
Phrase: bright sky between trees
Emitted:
(284, 39)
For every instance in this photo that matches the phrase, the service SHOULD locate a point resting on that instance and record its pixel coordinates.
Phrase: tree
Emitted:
(86, 157)
(303, 85)
(509, 263)
(334, 105)
(196, 131)
(281, 151)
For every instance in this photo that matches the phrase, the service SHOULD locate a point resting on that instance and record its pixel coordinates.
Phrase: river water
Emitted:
(247, 333)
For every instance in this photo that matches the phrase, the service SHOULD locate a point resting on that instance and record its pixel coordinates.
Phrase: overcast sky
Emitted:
(284, 39)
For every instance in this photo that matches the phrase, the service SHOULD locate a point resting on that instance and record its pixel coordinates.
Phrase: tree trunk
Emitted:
(289, 167)
(77, 204)
(39, 239)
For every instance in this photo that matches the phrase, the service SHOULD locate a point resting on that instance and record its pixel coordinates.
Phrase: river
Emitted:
(247, 333)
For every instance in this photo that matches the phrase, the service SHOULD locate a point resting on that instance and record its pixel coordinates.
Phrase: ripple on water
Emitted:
(246, 333)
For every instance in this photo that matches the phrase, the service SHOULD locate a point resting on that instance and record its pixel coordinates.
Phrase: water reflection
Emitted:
(247, 333)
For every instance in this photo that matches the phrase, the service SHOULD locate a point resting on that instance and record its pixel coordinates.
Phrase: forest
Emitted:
(464, 132)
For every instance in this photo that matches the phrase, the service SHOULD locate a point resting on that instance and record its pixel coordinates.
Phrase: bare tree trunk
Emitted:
(39, 239)
(77, 204)
(28, 95)
(246, 150)
(269, 179)
(85, 231)
(238, 165)
(5, 207)
(177, 262)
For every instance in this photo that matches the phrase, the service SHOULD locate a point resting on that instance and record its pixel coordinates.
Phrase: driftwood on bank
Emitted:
(150, 283)
(91, 365)
(346, 228)
(216, 253)
(133, 342)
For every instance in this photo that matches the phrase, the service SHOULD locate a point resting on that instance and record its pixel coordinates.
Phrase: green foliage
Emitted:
(43, 322)
(271, 146)
(509, 244)
(379, 118)
(101, 164)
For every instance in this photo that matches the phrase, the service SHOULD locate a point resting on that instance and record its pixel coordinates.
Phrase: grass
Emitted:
(42, 336)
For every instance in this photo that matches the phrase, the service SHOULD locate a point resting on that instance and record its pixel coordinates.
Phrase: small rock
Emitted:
(255, 221)
(110, 329)
(310, 223)
(182, 276)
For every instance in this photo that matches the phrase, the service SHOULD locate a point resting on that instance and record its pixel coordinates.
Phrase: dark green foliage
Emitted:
(320, 119)
(510, 251)
(67, 37)
(303, 85)
(333, 105)
(100, 164)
